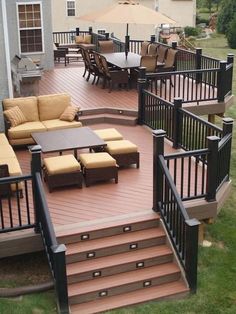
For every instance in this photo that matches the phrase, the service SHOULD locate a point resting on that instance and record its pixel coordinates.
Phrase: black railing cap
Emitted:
(58, 248)
(159, 133)
(35, 148)
(192, 222)
(228, 120)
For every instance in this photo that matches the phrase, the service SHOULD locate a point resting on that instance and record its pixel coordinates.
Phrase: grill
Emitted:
(25, 76)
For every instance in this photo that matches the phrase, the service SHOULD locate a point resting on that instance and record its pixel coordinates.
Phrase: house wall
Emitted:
(46, 58)
(183, 11)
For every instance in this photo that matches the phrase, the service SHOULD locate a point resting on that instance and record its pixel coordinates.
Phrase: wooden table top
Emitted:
(67, 139)
(119, 59)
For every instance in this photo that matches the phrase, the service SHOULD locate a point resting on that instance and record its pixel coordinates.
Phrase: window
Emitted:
(30, 27)
(70, 8)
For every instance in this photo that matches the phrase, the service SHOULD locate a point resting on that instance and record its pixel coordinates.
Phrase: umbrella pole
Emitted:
(127, 41)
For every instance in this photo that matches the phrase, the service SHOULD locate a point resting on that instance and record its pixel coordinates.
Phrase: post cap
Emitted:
(159, 133)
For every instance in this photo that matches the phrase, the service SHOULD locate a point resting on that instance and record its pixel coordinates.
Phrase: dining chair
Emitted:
(170, 64)
(149, 62)
(91, 66)
(106, 46)
(113, 76)
(144, 48)
(98, 63)
(152, 49)
(161, 53)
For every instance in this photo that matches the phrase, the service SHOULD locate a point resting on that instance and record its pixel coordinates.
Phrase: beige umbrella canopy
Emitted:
(128, 12)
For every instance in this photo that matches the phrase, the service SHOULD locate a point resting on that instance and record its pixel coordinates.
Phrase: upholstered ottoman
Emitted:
(62, 171)
(125, 152)
(110, 134)
(98, 167)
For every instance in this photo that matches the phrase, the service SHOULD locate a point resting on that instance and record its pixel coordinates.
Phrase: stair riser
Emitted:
(126, 112)
(116, 249)
(133, 286)
(120, 268)
(103, 119)
(107, 232)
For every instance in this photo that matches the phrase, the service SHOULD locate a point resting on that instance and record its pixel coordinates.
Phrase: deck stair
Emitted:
(119, 262)
(108, 115)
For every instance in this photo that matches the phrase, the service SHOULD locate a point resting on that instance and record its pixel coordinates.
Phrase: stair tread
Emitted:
(108, 115)
(130, 298)
(86, 227)
(122, 279)
(96, 244)
(118, 259)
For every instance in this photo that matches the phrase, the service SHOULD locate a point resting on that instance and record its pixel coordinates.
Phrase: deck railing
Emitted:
(183, 232)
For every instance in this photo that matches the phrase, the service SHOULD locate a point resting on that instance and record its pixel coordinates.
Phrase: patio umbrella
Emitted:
(128, 12)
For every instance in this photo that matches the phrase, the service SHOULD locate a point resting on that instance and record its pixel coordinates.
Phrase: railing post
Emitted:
(177, 123)
(106, 36)
(59, 269)
(198, 64)
(174, 44)
(90, 29)
(142, 84)
(221, 80)
(230, 58)
(152, 38)
(191, 258)
(77, 31)
(35, 167)
(227, 126)
(212, 167)
(158, 149)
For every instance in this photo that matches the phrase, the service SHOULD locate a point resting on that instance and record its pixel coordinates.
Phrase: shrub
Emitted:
(231, 33)
(225, 15)
(202, 20)
(191, 31)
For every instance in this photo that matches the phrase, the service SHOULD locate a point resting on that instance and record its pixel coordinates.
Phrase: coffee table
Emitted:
(68, 139)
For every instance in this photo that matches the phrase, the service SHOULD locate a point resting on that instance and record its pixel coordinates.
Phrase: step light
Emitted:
(97, 274)
(133, 246)
(84, 237)
(91, 254)
(127, 228)
(103, 293)
(139, 264)
(147, 283)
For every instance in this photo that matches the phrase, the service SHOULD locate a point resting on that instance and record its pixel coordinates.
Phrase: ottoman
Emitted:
(62, 171)
(98, 167)
(110, 134)
(125, 152)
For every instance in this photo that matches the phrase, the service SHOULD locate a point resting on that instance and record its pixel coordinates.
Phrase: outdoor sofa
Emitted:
(38, 114)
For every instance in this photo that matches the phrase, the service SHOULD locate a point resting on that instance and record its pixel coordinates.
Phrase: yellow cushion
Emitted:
(79, 39)
(14, 170)
(52, 106)
(22, 141)
(25, 130)
(15, 116)
(97, 160)
(3, 139)
(28, 105)
(110, 134)
(57, 124)
(87, 39)
(61, 164)
(69, 113)
(6, 151)
(121, 147)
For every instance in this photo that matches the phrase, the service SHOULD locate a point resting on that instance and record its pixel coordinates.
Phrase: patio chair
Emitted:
(100, 72)
(5, 189)
(60, 53)
(149, 62)
(144, 48)
(161, 53)
(89, 64)
(170, 63)
(106, 46)
(152, 49)
(113, 76)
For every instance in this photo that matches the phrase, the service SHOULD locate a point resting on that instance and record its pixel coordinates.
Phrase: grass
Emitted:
(217, 265)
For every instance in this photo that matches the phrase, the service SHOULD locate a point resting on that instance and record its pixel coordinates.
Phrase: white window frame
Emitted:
(41, 27)
(67, 9)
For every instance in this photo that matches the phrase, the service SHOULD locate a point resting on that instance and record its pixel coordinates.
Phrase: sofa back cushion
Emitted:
(28, 106)
(52, 106)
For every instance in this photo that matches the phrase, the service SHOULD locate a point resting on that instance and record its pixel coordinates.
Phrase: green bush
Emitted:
(191, 31)
(225, 15)
(231, 33)
(202, 20)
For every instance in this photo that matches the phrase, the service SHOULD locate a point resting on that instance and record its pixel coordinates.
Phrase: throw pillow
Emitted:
(15, 116)
(69, 113)
(87, 39)
(79, 39)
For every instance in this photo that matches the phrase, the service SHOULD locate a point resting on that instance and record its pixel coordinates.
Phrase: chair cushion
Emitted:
(24, 130)
(79, 39)
(61, 164)
(52, 106)
(14, 170)
(3, 139)
(110, 134)
(87, 39)
(15, 116)
(97, 160)
(28, 106)
(57, 124)
(6, 151)
(121, 147)
(69, 113)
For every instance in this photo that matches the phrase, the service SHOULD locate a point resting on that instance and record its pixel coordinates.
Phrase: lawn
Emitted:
(217, 264)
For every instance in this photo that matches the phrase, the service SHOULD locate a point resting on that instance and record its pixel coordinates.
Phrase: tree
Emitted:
(231, 33)
(226, 15)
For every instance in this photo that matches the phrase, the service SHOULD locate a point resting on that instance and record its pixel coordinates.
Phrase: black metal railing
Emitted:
(182, 230)
(16, 207)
